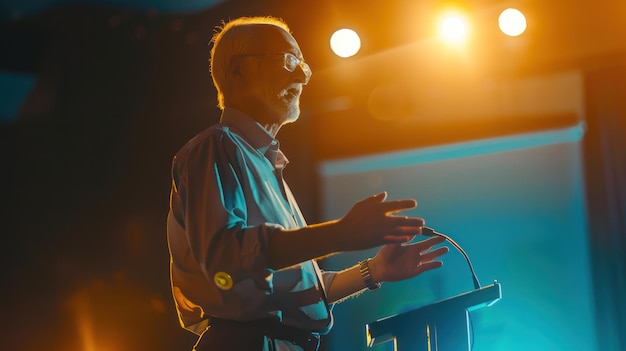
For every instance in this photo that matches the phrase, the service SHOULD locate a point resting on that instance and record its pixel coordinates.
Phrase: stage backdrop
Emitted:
(515, 204)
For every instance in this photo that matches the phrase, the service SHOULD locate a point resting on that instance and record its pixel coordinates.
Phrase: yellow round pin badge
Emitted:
(223, 280)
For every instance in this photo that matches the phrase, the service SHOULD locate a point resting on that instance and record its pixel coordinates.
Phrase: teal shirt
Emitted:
(228, 197)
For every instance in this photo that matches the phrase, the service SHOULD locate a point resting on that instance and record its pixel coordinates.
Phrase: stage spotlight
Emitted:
(512, 22)
(453, 28)
(345, 42)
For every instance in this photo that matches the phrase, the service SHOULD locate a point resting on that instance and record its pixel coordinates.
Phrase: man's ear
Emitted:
(235, 69)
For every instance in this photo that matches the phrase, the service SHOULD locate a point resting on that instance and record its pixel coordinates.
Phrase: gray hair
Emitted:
(231, 39)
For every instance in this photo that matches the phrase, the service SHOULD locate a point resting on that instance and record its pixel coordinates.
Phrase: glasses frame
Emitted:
(290, 63)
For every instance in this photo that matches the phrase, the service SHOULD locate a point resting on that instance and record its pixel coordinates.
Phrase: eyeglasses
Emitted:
(290, 63)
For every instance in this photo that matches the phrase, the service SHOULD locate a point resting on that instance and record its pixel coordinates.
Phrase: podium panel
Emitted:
(441, 326)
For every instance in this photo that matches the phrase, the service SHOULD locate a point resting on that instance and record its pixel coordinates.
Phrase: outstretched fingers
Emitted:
(429, 243)
(398, 205)
(406, 221)
(398, 239)
(427, 266)
(428, 256)
(403, 227)
(431, 255)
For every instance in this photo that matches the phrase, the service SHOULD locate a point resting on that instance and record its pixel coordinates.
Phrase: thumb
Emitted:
(374, 199)
(379, 197)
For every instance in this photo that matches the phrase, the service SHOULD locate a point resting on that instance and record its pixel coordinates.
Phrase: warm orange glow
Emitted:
(453, 28)
(114, 314)
(345, 42)
(80, 306)
(85, 326)
(512, 22)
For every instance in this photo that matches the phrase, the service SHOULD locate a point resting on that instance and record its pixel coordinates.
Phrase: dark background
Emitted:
(118, 89)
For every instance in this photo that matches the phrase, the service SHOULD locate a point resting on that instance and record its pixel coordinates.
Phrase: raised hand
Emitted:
(395, 262)
(370, 223)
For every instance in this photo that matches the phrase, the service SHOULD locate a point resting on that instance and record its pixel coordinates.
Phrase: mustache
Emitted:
(295, 89)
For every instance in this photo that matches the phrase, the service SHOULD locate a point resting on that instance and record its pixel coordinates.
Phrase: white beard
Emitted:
(286, 104)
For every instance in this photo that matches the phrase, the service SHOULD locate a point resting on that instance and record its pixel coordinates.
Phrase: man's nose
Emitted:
(303, 74)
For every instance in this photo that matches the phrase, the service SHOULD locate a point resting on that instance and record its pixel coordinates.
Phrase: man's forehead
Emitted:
(271, 38)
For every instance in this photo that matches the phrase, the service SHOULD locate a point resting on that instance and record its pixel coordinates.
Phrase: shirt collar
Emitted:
(256, 135)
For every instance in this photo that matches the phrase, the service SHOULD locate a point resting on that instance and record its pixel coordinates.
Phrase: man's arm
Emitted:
(345, 284)
(370, 223)
(393, 262)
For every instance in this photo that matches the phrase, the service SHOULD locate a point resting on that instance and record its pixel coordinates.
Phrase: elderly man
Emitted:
(243, 269)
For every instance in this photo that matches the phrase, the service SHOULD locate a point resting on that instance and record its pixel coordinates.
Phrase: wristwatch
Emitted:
(364, 268)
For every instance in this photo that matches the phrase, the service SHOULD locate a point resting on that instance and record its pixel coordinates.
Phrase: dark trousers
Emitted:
(224, 335)
(217, 338)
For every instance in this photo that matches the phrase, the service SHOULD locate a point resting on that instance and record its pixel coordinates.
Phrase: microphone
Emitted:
(428, 231)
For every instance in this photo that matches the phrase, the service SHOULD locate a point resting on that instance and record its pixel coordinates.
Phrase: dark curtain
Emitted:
(605, 170)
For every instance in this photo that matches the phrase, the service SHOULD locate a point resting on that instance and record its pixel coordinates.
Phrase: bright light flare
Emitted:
(453, 28)
(345, 42)
(512, 22)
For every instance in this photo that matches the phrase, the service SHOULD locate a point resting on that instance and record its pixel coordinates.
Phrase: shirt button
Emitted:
(223, 280)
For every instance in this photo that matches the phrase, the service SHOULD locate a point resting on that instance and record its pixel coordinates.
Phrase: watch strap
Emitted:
(364, 269)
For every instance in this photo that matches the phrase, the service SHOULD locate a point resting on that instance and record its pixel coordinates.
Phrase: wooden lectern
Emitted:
(441, 326)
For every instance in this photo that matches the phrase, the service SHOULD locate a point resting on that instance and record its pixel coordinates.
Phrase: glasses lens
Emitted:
(291, 62)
